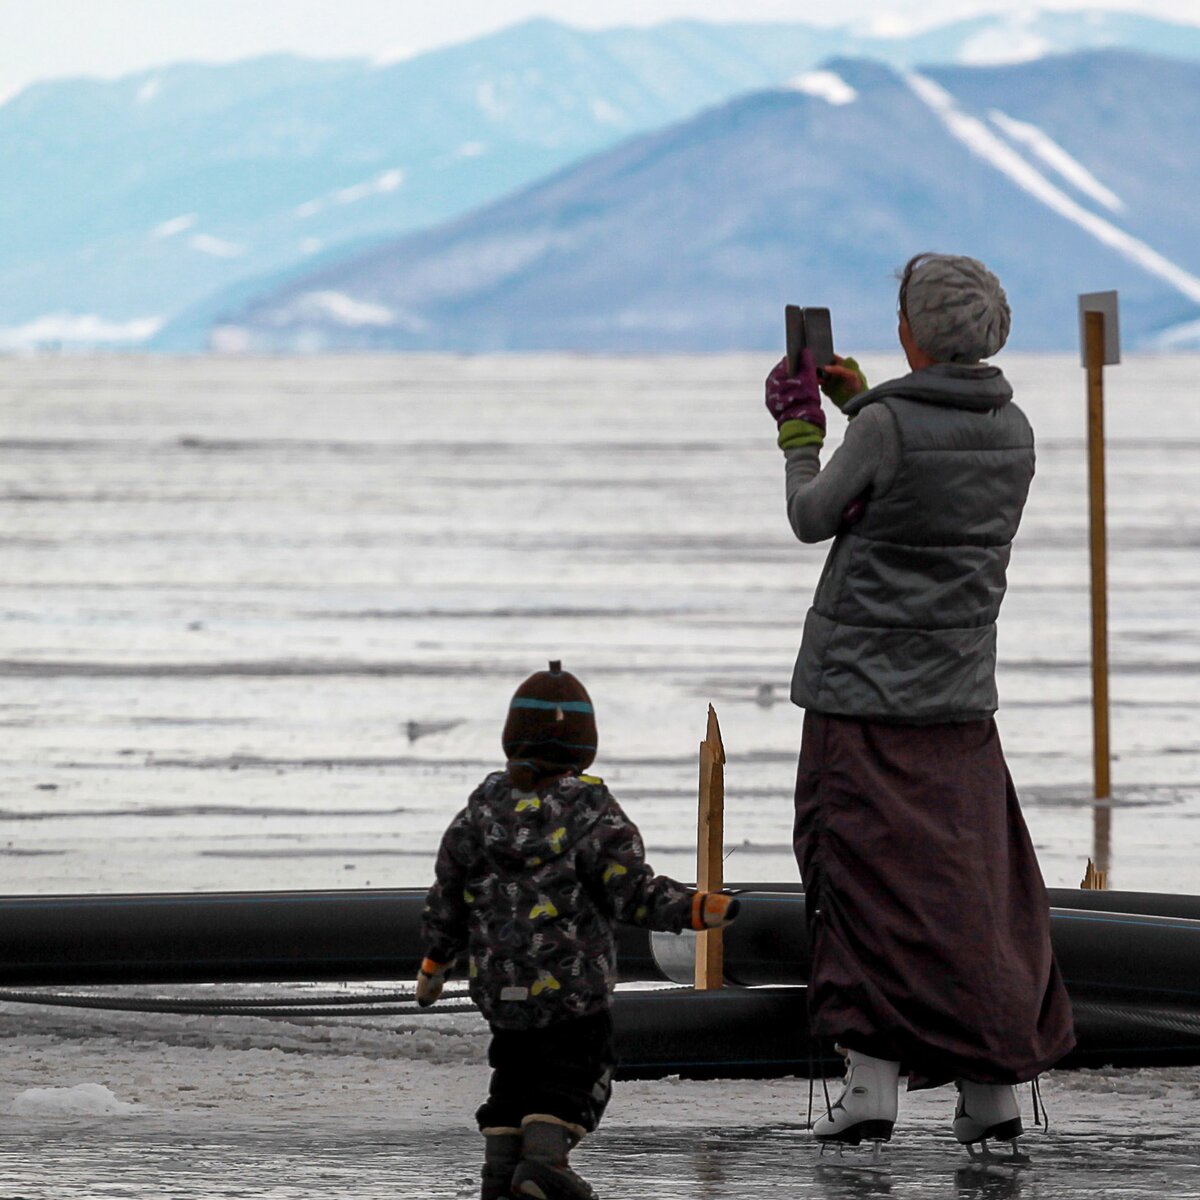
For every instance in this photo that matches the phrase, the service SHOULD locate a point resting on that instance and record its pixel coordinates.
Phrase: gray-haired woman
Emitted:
(928, 915)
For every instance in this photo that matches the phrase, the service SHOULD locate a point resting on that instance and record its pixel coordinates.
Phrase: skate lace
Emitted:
(1042, 1121)
(808, 1122)
(812, 1083)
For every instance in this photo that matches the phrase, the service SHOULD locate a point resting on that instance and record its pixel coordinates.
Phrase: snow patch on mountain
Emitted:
(215, 246)
(607, 113)
(489, 103)
(980, 140)
(149, 90)
(78, 329)
(391, 55)
(891, 26)
(1007, 43)
(826, 85)
(386, 181)
(1178, 337)
(380, 185)
(345, 310)
(1055, 157)
(175, 225)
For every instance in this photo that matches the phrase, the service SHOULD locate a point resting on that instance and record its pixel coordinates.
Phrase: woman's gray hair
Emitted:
(955, 307)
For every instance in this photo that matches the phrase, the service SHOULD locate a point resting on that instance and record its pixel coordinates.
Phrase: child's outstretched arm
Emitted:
(618, 870)
(444, 919)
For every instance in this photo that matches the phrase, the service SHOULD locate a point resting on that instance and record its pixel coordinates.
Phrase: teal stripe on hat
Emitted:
(532, 744)
(579, 706)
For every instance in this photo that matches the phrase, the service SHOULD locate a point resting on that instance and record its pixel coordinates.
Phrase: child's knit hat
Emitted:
(551, 728)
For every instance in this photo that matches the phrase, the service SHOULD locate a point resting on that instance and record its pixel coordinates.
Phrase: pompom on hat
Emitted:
(551, 728)
(955, 306)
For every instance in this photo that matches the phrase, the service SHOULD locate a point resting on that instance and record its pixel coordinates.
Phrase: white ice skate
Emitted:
(988, 1110)
(866, 1109)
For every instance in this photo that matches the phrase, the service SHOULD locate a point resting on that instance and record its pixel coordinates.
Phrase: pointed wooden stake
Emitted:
(1094, 880)
(710, 847)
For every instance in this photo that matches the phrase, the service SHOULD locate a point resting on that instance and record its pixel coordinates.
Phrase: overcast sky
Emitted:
(47, 38)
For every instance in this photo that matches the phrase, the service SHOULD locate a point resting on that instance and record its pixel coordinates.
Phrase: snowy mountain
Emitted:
(1066, 175)
(127, 202)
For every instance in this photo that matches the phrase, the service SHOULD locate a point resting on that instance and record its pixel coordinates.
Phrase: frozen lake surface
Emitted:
(261, 619)
(259, 624)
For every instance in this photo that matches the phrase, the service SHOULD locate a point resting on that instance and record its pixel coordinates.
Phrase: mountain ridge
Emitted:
(129, 202)
(693, 237)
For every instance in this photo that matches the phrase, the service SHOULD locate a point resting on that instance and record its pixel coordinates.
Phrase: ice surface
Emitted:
(261, 618)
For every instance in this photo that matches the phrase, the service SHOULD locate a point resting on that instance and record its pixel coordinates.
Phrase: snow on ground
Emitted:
(371, 1107)
(84, 1099)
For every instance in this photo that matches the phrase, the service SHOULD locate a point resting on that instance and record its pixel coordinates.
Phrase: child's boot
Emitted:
(543, 1172)
(502, 1152)
(866, 1109)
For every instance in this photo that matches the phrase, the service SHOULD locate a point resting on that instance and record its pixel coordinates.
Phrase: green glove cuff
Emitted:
(800, 433)
(842, 393)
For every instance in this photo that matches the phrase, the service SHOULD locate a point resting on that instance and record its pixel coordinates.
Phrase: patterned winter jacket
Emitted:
(530, 885)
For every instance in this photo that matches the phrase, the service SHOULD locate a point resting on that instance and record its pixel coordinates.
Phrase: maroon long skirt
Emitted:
(928, 916)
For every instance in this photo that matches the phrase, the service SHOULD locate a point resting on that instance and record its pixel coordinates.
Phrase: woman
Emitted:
(928, 916)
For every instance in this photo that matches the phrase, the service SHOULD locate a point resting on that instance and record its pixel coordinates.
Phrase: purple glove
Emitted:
(796, 398)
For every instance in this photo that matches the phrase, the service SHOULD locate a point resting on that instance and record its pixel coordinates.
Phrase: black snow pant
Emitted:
(564, 1070)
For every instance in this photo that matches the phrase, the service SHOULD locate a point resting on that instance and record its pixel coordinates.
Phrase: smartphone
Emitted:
(809, 328)
(818, 333)
(793, 320)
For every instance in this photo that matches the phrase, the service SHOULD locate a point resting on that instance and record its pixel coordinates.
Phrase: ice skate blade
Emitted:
(859, 1161)
(983, 1157)
(870, 1166)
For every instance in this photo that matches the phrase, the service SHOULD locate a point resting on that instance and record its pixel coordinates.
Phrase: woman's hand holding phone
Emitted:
(795, 403)
(842, 380)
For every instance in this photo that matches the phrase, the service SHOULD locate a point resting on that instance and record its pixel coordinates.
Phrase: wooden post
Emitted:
(1093, 880)
(1098, 542)
(710, 843)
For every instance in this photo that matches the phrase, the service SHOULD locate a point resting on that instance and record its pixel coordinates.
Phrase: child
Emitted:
(531, 877)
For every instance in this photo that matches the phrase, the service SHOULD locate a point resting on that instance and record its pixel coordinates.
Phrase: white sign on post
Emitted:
(1106, 303)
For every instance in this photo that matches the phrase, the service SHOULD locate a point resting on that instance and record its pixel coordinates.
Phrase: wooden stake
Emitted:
(1098, 543)
(710, 844)
(1093, 880)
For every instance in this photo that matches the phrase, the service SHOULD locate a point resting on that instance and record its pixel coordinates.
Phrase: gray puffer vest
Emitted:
(903, 623)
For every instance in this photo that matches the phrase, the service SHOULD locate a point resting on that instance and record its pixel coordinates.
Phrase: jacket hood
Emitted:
(974, 387)
(528, 829)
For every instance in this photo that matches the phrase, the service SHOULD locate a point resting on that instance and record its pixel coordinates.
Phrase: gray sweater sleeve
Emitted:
(867, 458)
